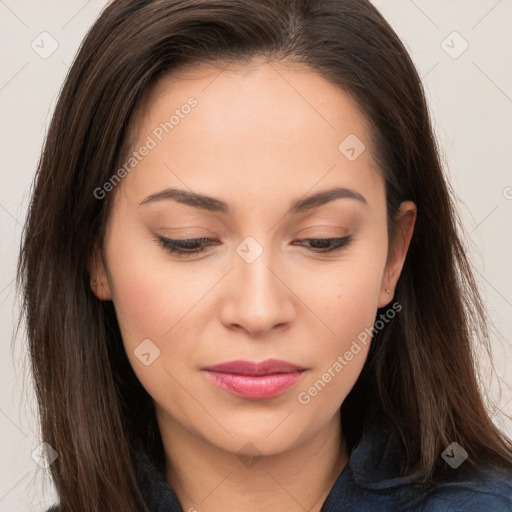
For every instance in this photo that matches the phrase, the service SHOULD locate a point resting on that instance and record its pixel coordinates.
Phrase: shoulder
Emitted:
(484, 492)
(375, 471)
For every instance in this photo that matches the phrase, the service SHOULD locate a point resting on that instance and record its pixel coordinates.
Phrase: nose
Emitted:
(257, 296)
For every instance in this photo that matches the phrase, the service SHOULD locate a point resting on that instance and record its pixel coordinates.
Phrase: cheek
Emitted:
(341, 342)
(158, 301)
(348, 321)
(347, 307)
(151, 303)
(346, 295)
(149, 294)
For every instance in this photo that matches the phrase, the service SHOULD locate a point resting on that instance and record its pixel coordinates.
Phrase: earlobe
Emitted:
(100, 284)
(385, 296)
(405, 221)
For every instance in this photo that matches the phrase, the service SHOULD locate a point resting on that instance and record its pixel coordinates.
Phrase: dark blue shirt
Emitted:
(371, 482)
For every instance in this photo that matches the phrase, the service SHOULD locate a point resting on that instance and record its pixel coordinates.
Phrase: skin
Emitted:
(260, 137)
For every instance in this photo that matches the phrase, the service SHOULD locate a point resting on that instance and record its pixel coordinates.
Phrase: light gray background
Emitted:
(471, 102)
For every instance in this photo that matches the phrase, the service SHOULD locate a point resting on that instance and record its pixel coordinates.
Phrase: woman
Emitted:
(244, 285)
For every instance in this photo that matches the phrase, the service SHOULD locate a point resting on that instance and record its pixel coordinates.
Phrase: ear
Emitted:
(100, 283)
(405, 219)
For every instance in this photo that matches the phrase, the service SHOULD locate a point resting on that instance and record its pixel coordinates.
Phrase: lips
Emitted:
(253, 380)
(268, 367)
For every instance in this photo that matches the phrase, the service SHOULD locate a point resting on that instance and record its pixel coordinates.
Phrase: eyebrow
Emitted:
(212, 204)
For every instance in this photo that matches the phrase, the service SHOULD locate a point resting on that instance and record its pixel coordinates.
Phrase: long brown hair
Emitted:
(420, 370)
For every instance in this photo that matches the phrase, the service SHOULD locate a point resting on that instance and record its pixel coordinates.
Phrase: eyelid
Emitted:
(324, 230)
(179, 247)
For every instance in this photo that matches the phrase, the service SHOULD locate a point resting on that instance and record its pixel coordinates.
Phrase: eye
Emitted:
(185, 247)
(193, 246)
(328, 245)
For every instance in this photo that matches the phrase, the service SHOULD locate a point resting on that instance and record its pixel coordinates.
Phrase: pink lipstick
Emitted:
(252, 380)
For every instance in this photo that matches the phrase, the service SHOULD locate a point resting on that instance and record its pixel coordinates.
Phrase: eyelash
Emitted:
(182, 247)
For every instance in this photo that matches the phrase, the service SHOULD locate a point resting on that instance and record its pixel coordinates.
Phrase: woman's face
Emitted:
(259, 142)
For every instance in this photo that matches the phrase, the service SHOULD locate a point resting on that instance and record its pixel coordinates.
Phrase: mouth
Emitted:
(252, 380)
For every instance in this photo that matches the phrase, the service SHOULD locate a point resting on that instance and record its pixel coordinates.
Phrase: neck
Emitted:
(206, 478)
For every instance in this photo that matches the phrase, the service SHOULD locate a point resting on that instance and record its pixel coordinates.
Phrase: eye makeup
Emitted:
(194, 246)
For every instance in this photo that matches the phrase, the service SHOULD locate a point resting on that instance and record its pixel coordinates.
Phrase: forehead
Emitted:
(256, 126)
(258, 98)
